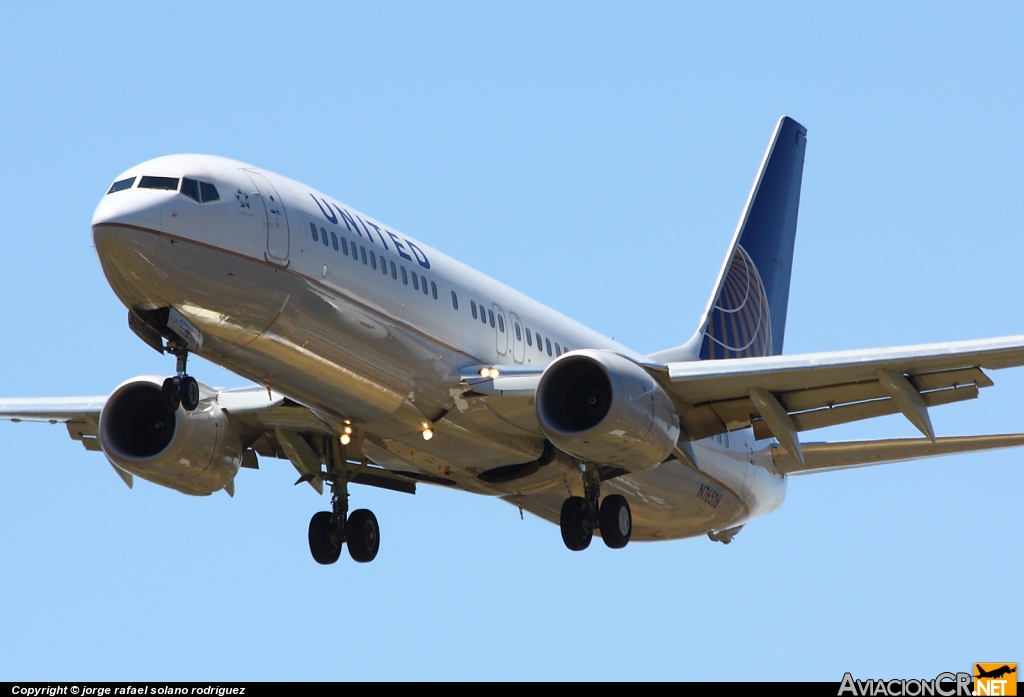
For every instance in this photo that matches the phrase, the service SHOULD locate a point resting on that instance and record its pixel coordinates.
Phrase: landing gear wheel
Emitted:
(169, 395)
(362, 535)
(188, 392)
(616, 521)
(322, 544)
(576, 534)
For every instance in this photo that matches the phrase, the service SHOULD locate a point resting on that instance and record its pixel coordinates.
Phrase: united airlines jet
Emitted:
(376, 360)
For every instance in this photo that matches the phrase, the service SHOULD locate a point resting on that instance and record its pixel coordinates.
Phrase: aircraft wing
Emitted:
(58, 409)
(781, 396)
(268, 425)
(81, 415)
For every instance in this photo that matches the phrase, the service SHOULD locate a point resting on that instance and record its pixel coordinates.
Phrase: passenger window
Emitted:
(558, 349)
(472, 306)
(519, 333)
(455, 301)
(362, 253)
(725, 437)
(334, 241)
(433, 290)
(312, 230)
(163, 183)
(529, 339)
(547, 342)
(121, 185)
(209, 192)
(394, 271)
(405, 276)
(355, 254)
(490, 313)
(373, 260)
(323, 236)
(540, 343)
(423, 284)
(501, 324)
(383, 266)
(415, 281)
(190, 187)
(344, 246)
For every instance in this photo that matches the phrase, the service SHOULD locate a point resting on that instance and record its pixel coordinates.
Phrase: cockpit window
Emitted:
(190, 187)
(165, 183)
(209, 192)
(121, 185)
(193, 188)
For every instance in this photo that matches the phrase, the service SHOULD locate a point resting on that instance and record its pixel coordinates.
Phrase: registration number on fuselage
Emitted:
(709, 495)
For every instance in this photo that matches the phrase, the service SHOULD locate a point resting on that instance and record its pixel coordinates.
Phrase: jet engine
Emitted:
(195, 452)
(606, 409)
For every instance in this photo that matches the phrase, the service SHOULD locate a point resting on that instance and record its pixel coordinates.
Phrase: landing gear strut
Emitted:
(329, 530)
(581, 515)
(182, 388)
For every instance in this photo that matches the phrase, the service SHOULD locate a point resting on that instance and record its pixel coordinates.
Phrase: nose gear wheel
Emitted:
(181, 389)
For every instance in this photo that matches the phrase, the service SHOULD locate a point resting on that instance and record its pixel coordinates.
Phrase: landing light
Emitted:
(347, 430)
(345, 439)
(428, 433)
(488, 372)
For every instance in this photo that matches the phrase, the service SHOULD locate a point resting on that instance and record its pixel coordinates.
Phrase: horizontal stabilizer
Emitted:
(825, 457)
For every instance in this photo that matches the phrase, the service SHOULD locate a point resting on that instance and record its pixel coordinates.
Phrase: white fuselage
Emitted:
(382, 335)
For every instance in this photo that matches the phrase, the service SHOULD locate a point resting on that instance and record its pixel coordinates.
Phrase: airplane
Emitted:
(376, 360)
(995, 673)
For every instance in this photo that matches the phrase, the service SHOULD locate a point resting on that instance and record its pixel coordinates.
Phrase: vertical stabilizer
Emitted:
(746, 314)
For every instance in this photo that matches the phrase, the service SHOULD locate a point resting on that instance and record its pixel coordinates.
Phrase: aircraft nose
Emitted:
(133, 207)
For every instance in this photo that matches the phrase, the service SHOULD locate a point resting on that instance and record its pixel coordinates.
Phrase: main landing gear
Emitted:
(581, 515)
(329, 530)
(181, 389)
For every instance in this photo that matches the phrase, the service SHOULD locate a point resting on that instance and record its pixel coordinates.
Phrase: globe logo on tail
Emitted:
(739, 325)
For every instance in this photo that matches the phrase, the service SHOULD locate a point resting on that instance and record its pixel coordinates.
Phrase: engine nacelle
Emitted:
(606, 409)
(195, 452)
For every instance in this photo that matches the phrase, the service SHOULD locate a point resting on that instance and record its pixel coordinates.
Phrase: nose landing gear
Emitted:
(581, 515)
(182, 388)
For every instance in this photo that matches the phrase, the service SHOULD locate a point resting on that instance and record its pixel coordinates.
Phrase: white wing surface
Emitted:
(81, 415)
(781, 396)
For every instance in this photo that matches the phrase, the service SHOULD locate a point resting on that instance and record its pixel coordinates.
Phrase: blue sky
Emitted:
(595, 156)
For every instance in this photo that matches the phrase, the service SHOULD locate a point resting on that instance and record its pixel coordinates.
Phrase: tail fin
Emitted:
(746, 315)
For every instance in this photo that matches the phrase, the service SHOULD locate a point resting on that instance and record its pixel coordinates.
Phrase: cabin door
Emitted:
(518, 340)
(275, 220)
(500, 331)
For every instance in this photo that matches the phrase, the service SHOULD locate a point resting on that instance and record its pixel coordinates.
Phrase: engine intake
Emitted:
(139, 426)
(194, 452)
(604, 408)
